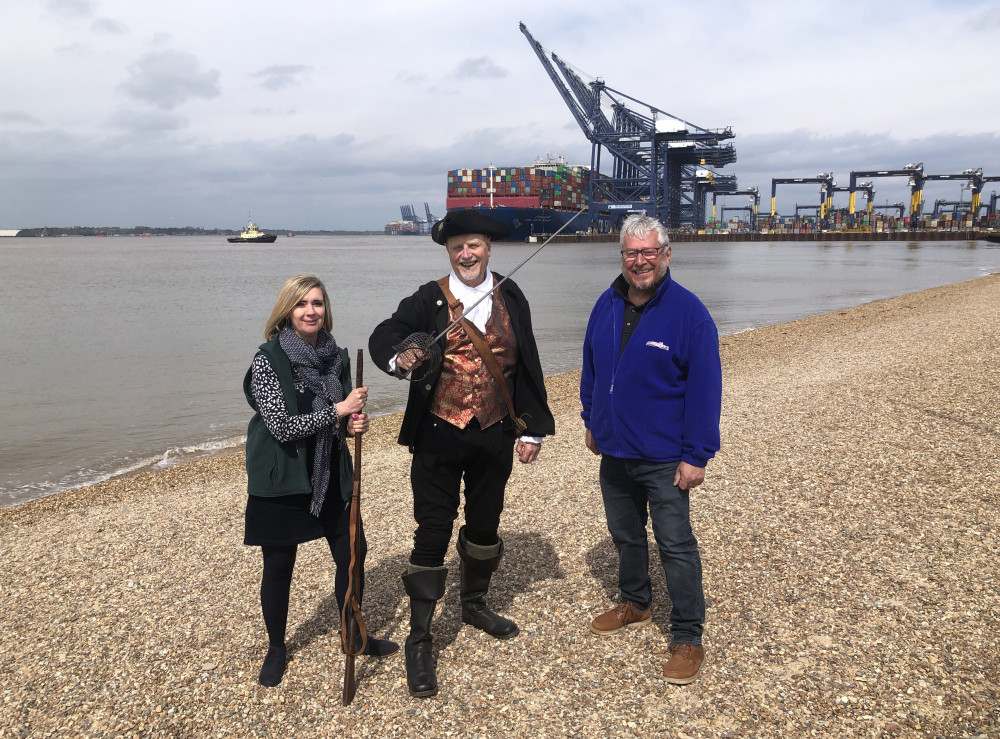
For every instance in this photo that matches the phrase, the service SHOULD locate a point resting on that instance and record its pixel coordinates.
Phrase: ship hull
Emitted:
(265, 239)
(525, 223)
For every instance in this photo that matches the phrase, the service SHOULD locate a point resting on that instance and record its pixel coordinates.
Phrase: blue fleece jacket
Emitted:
(662, 398)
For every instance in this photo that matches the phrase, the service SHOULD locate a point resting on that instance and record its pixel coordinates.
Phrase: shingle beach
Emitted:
(848, 530)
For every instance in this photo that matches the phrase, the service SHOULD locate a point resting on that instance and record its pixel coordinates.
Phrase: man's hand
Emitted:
(591, 444)
(527, 452)
(410, 358)
(688, 476)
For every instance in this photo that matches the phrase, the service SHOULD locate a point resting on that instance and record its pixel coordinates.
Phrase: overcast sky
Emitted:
(320, 114)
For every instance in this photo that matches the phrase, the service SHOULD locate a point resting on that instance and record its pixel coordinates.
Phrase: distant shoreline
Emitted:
(147, 231)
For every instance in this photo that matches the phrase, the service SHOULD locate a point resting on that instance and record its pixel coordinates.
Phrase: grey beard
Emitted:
(647, 292)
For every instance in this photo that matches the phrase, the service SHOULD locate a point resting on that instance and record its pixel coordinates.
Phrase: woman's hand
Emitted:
(357, 424)
(353, 403)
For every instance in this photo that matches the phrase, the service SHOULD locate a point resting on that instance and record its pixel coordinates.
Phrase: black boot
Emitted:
(425, 587)
(478, 565)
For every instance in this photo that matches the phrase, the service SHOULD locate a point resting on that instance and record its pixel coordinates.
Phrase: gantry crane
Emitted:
(976, 182)
(955, 207)
(914, 174)
(915, 179)
(899, 207)
(826, 183)
(748, 209)
(974, 179)
(754, 194)
(706, 181)
(992, 208)
(409, 215)
(866, 187)
(799, 208)
(655, 156)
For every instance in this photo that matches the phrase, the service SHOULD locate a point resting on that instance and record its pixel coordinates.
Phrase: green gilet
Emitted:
(275, 468)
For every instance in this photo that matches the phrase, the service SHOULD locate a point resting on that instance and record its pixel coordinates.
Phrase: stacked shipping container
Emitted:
(558, 186)
(876, 223)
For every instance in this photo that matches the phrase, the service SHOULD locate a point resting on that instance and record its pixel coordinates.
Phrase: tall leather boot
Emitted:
(478, 563)
(425, 586)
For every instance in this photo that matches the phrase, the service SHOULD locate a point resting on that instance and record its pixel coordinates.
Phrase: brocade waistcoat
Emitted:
(466, 389)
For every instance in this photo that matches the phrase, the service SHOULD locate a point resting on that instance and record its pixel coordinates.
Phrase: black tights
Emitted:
(276, 582)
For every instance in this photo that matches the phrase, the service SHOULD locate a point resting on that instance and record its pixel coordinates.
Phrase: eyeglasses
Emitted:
(631, 254)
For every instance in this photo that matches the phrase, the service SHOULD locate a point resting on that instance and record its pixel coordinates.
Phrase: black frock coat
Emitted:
(427, 311)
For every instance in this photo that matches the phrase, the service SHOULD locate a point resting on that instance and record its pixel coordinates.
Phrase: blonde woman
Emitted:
(299, 469)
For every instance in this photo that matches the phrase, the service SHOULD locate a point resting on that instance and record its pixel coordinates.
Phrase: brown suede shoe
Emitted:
(622, 616)
(685, 661)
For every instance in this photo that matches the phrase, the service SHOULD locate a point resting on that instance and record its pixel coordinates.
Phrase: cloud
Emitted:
(17, 117)
(166, 79)
(409, 78)
(984, 22)
(281, 76)
(71, 8)
(109, 26)
(480, 68)
(147, 122)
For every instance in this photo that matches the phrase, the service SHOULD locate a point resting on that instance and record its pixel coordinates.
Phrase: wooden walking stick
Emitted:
(352, 623)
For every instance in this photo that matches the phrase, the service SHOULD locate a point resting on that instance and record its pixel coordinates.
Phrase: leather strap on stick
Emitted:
(479, 341)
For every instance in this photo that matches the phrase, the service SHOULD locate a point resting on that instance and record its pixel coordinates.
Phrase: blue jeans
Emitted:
(633, 490)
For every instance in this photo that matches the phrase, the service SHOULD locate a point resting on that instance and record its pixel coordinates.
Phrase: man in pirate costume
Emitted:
(464, 419)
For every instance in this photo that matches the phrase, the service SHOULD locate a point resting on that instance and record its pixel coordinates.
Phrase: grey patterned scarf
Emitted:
(319, 367)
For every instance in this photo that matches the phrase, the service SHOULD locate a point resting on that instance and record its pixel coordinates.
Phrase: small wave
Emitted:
(89, 476)
(176, 455)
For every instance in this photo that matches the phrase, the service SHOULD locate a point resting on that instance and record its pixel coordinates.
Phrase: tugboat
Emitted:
(252, 235)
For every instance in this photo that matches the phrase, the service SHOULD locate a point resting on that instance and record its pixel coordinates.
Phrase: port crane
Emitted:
(409, 215)
(974, 182)
(655, 156)
(748, 209)
(826, 183)
(898, 207)
(914, 174)
(992, 209)
(754, 194)
(866, 187)
(955, 207)
(706, 181)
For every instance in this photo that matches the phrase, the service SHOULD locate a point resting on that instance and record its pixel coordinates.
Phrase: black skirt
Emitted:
(285, 520)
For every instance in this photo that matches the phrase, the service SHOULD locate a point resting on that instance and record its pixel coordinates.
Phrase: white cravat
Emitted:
(469, 295)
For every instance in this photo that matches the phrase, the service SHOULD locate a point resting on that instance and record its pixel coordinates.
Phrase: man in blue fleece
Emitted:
(651, 390)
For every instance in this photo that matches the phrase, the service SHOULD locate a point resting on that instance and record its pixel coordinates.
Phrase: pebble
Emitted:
(847, 531)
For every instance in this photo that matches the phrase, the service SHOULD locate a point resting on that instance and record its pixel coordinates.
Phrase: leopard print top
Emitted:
(266, 389)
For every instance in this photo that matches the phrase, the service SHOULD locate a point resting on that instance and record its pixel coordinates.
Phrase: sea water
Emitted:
(126, 352)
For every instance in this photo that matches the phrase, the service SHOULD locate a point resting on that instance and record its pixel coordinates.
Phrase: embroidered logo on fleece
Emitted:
(658, 345)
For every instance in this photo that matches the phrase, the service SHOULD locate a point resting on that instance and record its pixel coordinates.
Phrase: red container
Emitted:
(512, 201)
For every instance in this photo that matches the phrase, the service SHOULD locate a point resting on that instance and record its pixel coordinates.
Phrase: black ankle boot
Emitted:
(475, 577)
(273, 668)
(425, 588)
(375, 647)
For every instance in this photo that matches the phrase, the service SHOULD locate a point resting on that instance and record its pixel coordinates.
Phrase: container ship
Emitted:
(531, 201)
(402, 228)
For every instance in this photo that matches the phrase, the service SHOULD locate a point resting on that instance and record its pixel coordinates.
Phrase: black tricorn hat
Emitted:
(465, 221)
